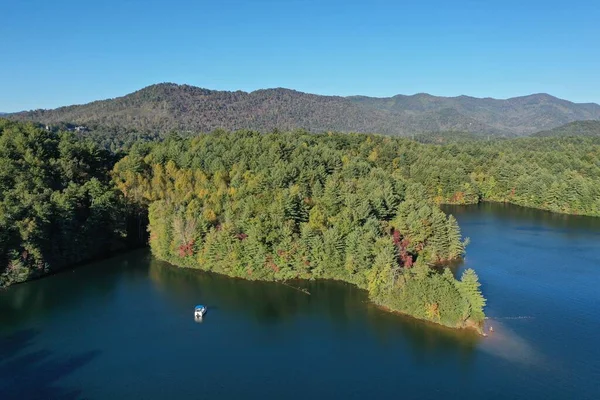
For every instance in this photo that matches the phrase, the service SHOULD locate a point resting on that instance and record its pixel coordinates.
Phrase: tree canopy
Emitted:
(284, 206)
(58, 206)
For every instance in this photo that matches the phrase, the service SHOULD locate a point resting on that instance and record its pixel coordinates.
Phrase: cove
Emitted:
(124, 327)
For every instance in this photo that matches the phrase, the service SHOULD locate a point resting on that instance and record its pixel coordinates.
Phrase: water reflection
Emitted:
(532, 220)
(264, 302)
(27, 372)
(68, 288)
(73, 330)
(343, 305)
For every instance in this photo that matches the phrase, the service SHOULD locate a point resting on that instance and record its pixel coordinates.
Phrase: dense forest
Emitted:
(281, 206)
(58, 206)
(163, 108)
(285, 206)
(557, 174)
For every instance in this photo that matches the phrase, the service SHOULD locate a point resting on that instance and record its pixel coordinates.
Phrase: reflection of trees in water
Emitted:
(266, 302)
(340, 303)
(36, 374)
(454, 266)
(69, 287)
(427, 340)
(541, 219)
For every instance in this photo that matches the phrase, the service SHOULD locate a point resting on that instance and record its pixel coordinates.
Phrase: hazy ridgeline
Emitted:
(160, 109)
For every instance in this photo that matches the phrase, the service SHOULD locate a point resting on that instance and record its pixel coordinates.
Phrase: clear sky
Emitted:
(58, 52)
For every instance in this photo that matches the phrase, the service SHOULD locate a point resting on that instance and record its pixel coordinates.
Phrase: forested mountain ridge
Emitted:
(182, 108)
(161, 108)
(577, 128)
(518, 115)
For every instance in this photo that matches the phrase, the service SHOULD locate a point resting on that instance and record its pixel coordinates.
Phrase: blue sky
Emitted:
(66, 52)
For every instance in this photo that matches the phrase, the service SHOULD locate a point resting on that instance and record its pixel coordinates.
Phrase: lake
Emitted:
(124, 328)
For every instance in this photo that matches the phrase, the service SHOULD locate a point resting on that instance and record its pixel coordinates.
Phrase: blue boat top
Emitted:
(200, 307)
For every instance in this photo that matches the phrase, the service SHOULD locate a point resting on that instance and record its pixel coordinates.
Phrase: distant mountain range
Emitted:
(169, 107)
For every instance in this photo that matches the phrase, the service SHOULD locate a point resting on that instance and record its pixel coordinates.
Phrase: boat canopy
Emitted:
(199, 307)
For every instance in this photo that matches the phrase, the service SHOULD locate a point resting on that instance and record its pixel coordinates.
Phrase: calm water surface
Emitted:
(124, 328)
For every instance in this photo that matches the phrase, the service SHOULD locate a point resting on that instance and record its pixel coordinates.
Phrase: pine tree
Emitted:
(456, 245)
(295, 209)
(469, 288)
(439, 241)
(381, 276)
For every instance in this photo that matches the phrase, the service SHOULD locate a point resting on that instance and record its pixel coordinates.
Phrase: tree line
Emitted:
(281, 206)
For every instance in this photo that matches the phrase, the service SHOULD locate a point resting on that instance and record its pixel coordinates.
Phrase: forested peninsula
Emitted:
(281, 206)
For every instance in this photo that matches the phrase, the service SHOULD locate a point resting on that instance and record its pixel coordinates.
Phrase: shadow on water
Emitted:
(533, 219)
(343, 305)
(276, 341)
(30, 373)
(60, 291)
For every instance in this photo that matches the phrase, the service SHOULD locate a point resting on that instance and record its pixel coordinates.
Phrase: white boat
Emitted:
(199, 311)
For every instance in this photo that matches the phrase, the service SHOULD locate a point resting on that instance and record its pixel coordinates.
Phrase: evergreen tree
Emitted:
(456, 246)
(469, 287)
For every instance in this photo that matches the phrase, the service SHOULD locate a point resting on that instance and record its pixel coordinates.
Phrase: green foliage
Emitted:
(360, 208)
(288, 205)
(551, 173)
(469, 287)
(576, 128)
(434, 298)
(57, 203)
(15, 272)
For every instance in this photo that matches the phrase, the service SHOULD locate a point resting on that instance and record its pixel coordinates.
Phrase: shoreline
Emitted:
(482, 201)
(78, 264)
(470, 326)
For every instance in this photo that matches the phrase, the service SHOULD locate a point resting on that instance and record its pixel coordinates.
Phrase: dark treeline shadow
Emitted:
(69, 287)
(343, 304)
(541, 218)
(27, 372)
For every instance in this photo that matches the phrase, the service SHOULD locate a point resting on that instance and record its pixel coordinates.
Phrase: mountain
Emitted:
(166, 107)
(517, 115)
(577, 128)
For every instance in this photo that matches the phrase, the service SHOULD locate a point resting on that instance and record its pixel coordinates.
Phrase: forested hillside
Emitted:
(58, 206)
(360, 208)
(557, 174)
(159, 109)
(280, 206)
(577, 128)
(289, 206)
(517, 116)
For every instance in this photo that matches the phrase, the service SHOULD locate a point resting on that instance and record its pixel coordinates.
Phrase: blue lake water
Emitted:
(124, 328)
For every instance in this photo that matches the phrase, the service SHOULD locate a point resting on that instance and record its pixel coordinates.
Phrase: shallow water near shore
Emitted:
(124, 328)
